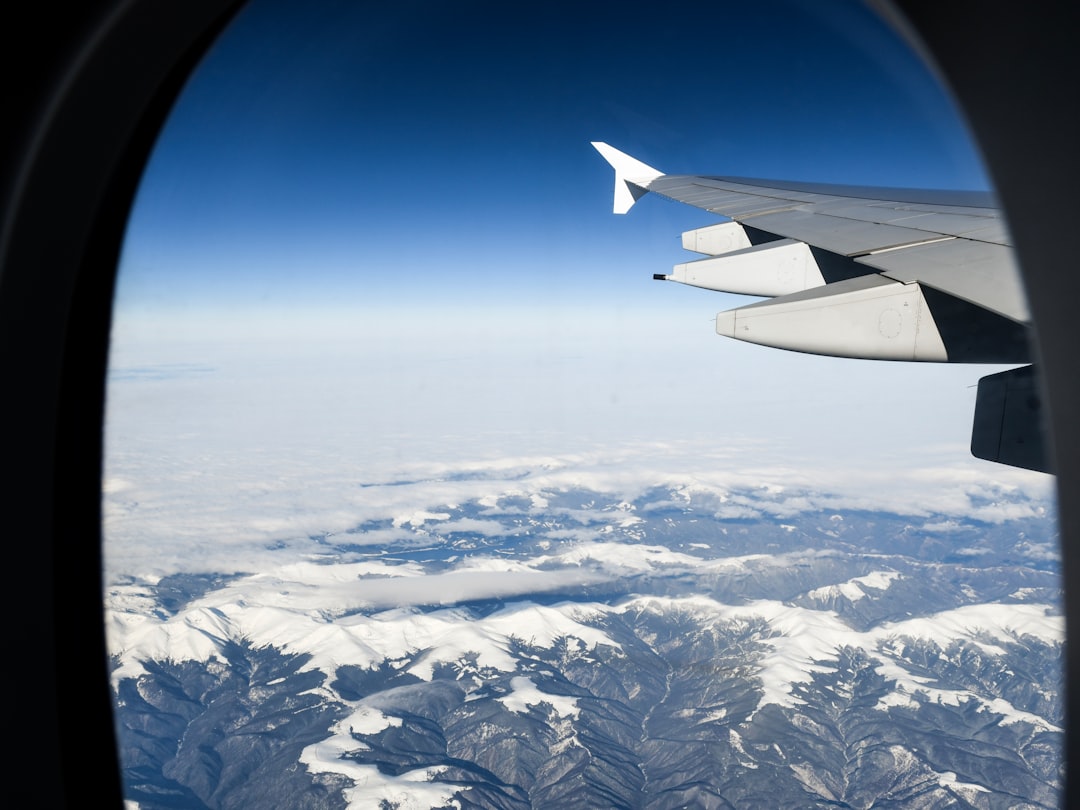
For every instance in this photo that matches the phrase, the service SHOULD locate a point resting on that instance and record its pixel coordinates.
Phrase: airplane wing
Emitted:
(887, 274)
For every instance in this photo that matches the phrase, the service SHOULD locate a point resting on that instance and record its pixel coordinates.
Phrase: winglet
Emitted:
(632, 177)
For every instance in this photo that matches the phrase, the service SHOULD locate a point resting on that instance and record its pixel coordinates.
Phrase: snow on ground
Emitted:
(278, 609)
(364, 613)
(854, 589)
(525, 694)
(412, 790)
(948, 780)
(807, 641)
(245, 612)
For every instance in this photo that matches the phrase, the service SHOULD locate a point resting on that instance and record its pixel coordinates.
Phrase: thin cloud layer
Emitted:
(160, 524)
(273, 445)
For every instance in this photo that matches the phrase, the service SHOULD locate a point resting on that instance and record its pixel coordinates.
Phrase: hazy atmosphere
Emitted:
(367, 244)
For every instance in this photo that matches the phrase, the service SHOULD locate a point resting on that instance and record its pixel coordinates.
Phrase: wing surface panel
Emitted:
(848, 237)
(738, 202)
(978, 272)
(942, 239)
(982, 227)
(941, 197)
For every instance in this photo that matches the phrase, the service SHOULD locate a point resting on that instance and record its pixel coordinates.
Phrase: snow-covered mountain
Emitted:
(553, 645)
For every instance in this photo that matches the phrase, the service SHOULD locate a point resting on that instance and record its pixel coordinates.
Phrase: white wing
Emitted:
(887, 274)
(895, 274)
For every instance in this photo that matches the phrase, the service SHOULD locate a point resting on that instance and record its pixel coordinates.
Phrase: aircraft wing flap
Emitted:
(955, 225)
(982, 273)
(934, 222)
(848, 237)
(995, 232)
(936, 208)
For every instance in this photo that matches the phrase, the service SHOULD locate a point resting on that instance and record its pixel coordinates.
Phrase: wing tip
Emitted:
(632, 177)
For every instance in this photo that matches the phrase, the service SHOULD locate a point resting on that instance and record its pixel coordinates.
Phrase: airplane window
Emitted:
(421, 492)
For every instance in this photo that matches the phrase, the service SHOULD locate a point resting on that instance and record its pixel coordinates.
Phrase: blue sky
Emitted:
(341, 155)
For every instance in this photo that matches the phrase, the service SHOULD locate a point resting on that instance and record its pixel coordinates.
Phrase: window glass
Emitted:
(420, 491)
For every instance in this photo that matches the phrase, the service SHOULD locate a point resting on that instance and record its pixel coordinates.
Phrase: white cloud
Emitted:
(280, 440)
(170, 518)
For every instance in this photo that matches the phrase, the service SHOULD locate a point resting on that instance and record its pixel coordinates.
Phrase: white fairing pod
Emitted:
(868, 317)
(775, 268)
(715, 240)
